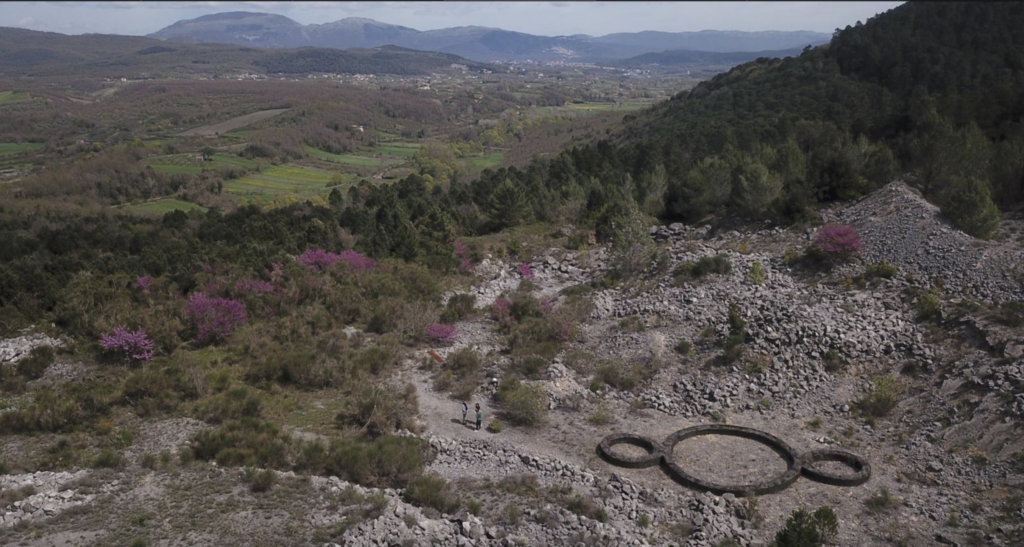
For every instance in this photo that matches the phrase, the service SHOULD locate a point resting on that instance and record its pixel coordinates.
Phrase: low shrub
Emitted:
(880, 501)
(35, 364)
(523, 404)
(803, 529)
(717, 264)
(602, 415)
(234, 404)
(259, 481)
(928, 305)
(380, 409)
(432, 491)
(585, 507)
(494, 426)
(756, 275)
(882, 398)
(387, 461)
(245, 442)
(459, 307)
(108, 459)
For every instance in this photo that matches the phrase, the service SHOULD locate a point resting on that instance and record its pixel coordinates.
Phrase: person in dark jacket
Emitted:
(465, 410)
(479, 417)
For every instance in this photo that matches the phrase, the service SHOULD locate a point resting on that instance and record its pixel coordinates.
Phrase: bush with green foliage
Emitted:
(717, 264)
(882, 398)
(756, 274)
(808, 530)
(969, 206)
(430, 490)
(522, 404)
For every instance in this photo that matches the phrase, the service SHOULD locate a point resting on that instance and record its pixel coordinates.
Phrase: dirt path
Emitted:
(232, 124)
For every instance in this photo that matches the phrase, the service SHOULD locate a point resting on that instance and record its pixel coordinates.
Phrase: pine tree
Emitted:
(969, 206)
(508, 206)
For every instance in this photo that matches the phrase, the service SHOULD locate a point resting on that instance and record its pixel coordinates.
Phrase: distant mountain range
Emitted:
(483, 44)
(33, 53)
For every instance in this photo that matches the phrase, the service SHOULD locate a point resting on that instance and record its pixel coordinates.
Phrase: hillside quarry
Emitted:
(946, 459)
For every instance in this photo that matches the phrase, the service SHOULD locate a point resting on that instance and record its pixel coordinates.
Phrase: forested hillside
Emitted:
(928, 89)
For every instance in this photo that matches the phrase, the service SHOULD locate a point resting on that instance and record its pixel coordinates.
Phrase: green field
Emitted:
(347, 159)
(283, 179)
(186, 164)
(162, 206)
(8, 97)
(15, 147)
(487, 161)
(399, 149)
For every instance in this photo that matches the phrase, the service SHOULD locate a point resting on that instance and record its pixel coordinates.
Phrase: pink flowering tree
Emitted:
(501, 309)
(357, 261)
(143, 282)
(319, 260)
(214, 318)
(526, 271)
(441, 334)
(460, 248)
(837, 242)
(133, 346)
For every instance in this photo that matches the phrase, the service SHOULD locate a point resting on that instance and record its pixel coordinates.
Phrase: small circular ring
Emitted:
(775, 484)
(653, 448)
(860, 466)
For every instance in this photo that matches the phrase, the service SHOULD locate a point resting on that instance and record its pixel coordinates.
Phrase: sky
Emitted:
(544, 18)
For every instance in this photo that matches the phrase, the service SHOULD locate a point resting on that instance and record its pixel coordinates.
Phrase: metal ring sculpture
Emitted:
(797, 464)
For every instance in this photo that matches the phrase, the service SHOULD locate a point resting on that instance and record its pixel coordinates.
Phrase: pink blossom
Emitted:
(837, 241)
(501, 308)
(206, 268)
(441, 334)
(319, 260)
(460, 248)
(526, 271)
(466, 266)
(143, 282)
(358, 261)
(135, 347)
(547, 305)
(215, 318)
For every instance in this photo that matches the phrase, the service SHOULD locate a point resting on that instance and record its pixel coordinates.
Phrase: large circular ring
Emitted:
(860, 466)
(653, 448)
(775, 484)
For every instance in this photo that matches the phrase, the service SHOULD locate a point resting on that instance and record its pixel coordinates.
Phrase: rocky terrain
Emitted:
(947, 461)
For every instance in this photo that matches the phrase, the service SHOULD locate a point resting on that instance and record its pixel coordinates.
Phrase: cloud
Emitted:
(26, 22)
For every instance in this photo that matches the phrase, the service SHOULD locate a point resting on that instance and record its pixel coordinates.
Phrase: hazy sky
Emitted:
(546, 18)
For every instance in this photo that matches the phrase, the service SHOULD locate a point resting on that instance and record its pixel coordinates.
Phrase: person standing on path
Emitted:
(479, 417)
(465, 410)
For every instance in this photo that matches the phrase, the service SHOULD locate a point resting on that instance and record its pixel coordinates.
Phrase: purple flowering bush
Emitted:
(837, 241)
(143, 282)
(441, 334)
(319, 260)
(134, 347)
(215, 318)
(501, 309)
(460, 248)
(526, 271)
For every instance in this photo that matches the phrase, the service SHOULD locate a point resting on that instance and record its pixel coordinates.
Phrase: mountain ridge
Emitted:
(478, 43)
